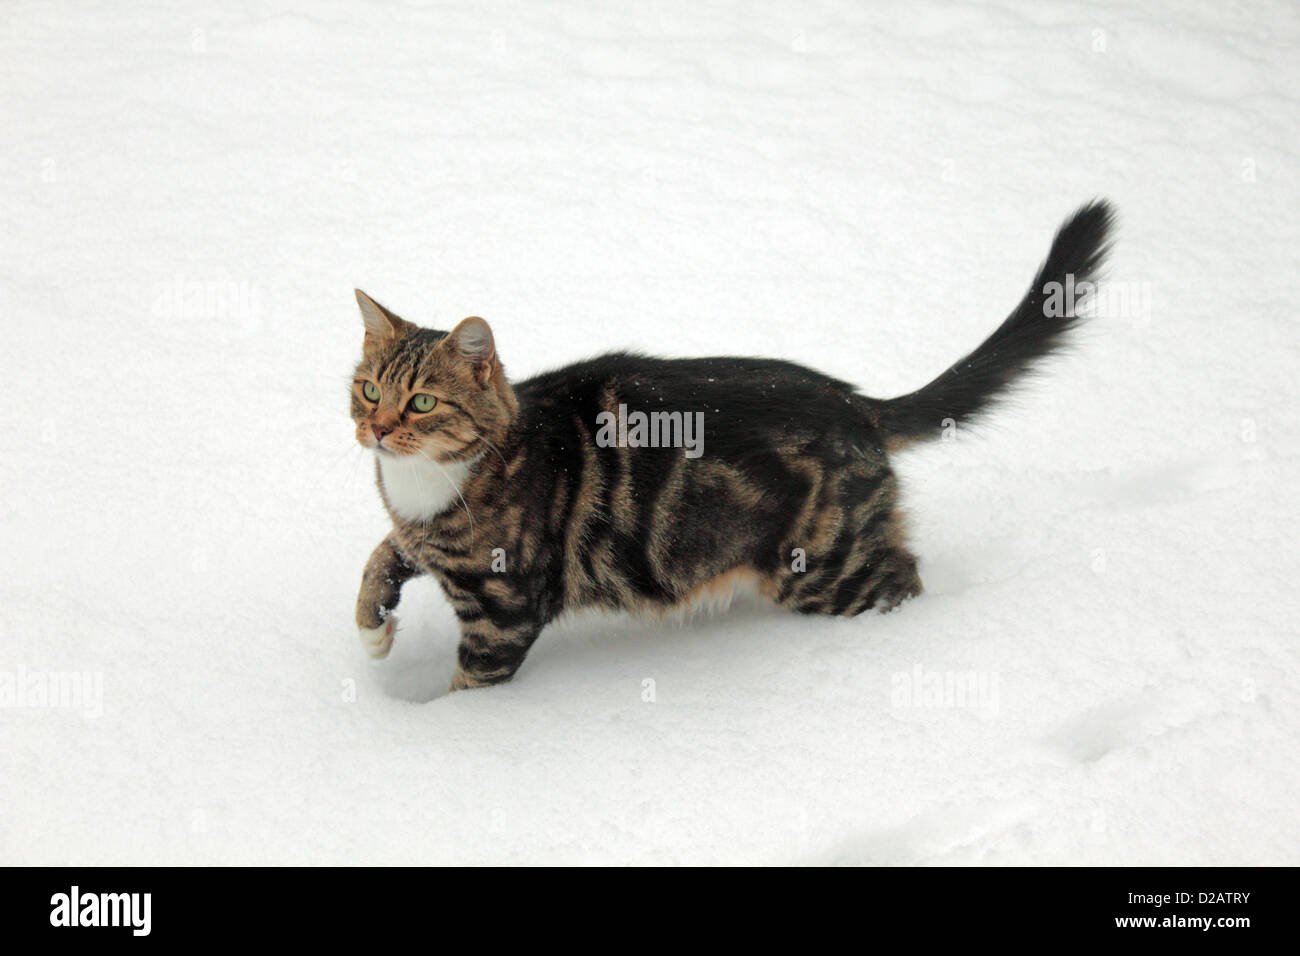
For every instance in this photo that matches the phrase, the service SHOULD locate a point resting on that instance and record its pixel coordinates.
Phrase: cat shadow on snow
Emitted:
(424, 655)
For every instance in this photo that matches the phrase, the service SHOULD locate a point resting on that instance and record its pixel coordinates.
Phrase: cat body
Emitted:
(639, 484)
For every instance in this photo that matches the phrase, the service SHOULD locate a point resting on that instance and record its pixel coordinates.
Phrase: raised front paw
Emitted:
(378, 641)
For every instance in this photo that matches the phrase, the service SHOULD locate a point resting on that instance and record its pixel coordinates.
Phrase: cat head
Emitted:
(420, 392)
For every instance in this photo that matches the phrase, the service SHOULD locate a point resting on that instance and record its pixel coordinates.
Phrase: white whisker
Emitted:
(494, 448)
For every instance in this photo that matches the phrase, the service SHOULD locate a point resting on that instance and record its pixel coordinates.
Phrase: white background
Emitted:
(190, 196)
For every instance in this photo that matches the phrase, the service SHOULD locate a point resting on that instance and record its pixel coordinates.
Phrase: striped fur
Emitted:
(794, 491)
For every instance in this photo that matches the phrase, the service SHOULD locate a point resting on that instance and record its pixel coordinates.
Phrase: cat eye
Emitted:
(371, 391)
(423, 403)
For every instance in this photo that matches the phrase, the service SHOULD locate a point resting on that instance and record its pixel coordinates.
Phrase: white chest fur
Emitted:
(418, 489)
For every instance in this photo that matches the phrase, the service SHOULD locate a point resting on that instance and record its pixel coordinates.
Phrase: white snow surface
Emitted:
(191, 192)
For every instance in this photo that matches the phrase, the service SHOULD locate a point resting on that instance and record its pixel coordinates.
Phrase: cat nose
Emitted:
(380, 431)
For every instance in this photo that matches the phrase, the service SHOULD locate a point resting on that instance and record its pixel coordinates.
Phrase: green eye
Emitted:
(423, 403)
(371, 391)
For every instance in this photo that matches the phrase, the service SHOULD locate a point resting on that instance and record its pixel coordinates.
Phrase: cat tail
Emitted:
(1039, 327)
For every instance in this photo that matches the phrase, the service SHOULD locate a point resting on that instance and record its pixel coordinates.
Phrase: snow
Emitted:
(191, 196)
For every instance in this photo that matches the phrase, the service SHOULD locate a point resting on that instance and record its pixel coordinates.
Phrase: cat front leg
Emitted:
(381, 588)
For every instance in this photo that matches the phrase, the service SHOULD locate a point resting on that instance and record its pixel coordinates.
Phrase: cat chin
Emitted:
(387, 454)
(385, 457)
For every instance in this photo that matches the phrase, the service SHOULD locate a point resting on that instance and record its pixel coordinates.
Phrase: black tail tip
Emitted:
(1096, 213)
(1084, 240)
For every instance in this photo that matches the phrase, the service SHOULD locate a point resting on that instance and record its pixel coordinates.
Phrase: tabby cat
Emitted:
(526, 500)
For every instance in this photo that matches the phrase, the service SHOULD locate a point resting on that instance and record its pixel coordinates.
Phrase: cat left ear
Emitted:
(381, 324)
(472, 339)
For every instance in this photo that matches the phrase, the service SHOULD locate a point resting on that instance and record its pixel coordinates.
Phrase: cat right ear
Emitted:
(381, 325)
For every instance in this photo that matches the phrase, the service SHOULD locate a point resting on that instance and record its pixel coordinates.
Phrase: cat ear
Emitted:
(381, 324)
(472, 339)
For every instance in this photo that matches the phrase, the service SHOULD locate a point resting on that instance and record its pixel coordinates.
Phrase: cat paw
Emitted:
(378, 641)
(899, 587)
